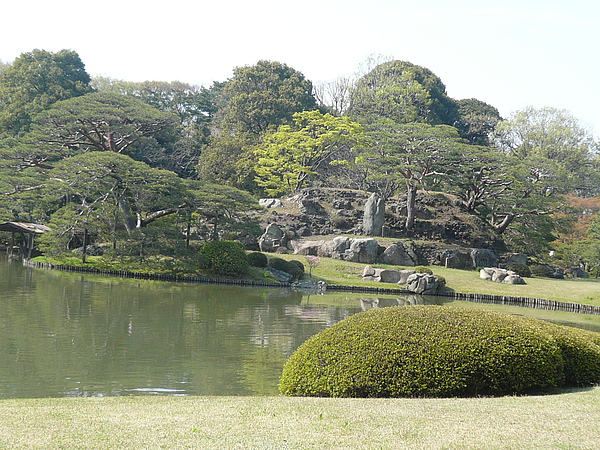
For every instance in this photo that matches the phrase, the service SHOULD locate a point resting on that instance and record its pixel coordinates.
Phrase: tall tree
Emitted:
(108, 186)
(262, 96)
(412, 155)
(288, 157)
(402, 92)
(476, 121)
(36, 80)
(551, 134)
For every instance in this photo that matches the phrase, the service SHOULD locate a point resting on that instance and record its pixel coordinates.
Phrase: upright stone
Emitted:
(374, 216)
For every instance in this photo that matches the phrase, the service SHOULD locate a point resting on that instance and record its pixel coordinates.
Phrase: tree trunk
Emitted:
(503, 225)
(411, 197)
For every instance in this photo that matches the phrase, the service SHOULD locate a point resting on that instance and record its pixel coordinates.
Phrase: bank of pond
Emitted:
(77, 334)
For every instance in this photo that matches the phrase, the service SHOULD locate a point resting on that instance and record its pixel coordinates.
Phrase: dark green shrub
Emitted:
(541, 270)
(293, 267)
(226, 257)
(422, 269)
(278, 264)
(296, 268)
(258, 259)
(520, 269)
(439, 351)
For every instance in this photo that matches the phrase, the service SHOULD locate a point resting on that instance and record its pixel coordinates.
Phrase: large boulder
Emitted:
(397, 255)
(362, 251)
(422, 283)
(272, 239)
(458, 259)
(483, 257)
(314, 248)
(499, 275)
(374, 216)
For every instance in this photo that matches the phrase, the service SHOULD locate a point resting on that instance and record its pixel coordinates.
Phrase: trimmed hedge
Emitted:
(293, 267)
(440, 351)
(258, 259)
(225, 258)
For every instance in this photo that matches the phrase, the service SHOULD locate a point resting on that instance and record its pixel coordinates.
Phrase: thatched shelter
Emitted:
(27, 232)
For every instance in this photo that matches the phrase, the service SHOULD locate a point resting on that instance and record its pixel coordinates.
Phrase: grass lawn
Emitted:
(567, 420)
(570, 290)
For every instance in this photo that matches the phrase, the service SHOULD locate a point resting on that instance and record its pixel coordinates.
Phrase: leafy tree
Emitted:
(221, 208)
(288, 157)
(262, 96)
(402, 92)
(229, 160)
(93, 122)
(413, 155)
(551, 134)
(140, 193)
(476, 121)
(35, 81)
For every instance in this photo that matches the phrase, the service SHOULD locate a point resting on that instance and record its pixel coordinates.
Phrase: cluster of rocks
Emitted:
(419, 283)
(500, 275)
(331, 211)
(369, 251)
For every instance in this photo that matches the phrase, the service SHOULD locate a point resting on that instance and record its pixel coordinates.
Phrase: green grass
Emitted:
(567, 420)
(335, 271)
(571, 290)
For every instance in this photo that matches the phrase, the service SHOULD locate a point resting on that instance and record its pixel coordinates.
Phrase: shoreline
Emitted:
(528, 302)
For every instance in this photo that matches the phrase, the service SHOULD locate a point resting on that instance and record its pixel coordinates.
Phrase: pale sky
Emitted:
(508, 53)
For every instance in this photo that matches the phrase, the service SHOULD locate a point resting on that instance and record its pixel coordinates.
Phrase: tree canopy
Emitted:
(36, 80)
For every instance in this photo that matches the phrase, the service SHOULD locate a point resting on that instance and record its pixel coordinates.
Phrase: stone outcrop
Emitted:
(386, 275)
(469, 259)
(270, 202)
(374, 216)
(423, 283)
(398, 255)
(499, 275)
(272, 239)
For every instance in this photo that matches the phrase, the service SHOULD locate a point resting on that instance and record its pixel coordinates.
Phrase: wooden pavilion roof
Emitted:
(24, 227)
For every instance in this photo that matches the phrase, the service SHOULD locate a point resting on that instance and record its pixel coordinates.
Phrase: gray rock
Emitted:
(272, 239)
(422, 283)
(396, 255)
(283, 277)
(457, 259)
(362, 251)
(483, 257)
(270, 202)
(404, 274)
(374, 216)
(516, 258)
(500, 275)
(368, 271)
(389, 276)
(307, 247)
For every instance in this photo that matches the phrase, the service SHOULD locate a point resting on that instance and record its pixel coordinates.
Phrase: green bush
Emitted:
(423, 269)
(296, 268)
(226, 258)
(278, 264)
(520, 269)
(258, 259)
(440, 351)
(541, 270)
(293, 267)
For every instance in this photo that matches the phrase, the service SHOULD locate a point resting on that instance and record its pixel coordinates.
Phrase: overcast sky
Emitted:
(508, 53)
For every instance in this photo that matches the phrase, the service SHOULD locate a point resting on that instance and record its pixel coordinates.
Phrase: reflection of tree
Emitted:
(83, 336)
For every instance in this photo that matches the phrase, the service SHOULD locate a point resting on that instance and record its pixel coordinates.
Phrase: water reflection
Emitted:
(65, 335)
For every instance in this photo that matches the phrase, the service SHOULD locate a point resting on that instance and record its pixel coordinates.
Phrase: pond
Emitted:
(74, 335)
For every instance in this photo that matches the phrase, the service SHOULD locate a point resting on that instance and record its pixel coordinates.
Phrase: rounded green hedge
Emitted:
(440, 351)
(258, 259)
(225, 257)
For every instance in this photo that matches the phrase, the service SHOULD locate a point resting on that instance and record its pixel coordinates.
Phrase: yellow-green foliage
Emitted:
(438, 351)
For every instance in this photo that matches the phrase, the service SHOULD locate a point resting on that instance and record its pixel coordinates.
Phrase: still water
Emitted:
(74, 335)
